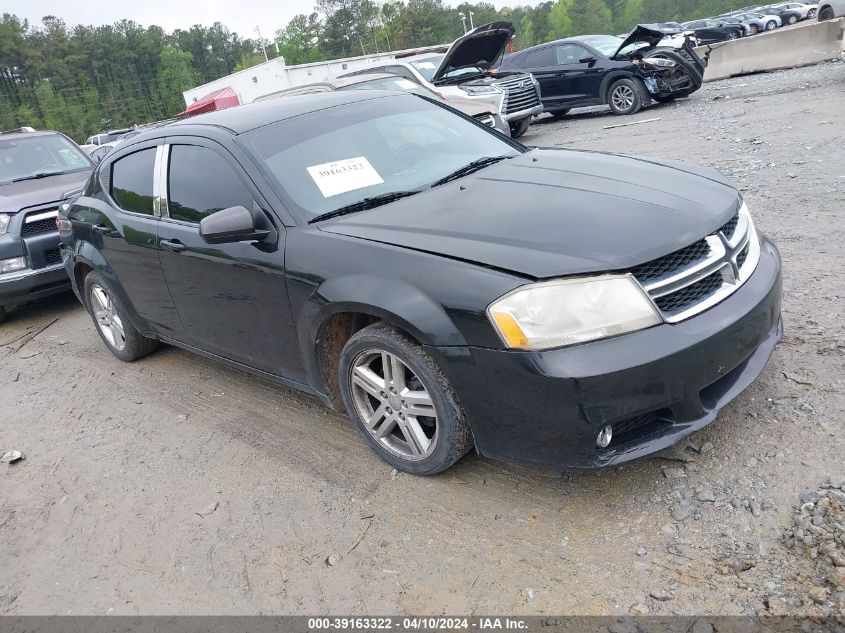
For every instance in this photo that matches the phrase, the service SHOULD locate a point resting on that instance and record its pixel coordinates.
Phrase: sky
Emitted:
(240, 16)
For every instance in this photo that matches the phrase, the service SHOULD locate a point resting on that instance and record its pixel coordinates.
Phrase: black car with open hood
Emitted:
(655, 61)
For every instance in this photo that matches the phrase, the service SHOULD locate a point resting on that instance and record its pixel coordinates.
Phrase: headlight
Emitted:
(660, 62)
(568, 311)
(475, 90)
(11, 265)
(5, 218)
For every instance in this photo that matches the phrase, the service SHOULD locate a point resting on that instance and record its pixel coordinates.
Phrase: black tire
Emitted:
(792, 19)
(771, 25)
(752, 29)
(134, 344)
(627, 96)
(559, 113)
(518, 128)
(453, 436)
(826, 14)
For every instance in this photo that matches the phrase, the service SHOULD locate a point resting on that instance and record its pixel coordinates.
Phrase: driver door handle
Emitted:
(174, 246)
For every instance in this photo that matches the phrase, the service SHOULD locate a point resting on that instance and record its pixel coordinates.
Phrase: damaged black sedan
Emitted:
(447, 287)
(655, 61)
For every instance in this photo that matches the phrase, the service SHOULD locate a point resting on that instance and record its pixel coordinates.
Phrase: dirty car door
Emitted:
(231, 298)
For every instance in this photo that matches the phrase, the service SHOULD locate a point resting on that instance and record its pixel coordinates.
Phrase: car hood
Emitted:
(480, 47)
(650, 34)
(548, 213)
(16, 196)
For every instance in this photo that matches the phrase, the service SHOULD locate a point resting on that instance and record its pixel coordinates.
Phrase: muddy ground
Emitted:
(174, 485)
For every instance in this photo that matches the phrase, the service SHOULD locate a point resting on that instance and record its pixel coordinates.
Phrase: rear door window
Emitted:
(202, 182)
(132, 181)
(541, 58)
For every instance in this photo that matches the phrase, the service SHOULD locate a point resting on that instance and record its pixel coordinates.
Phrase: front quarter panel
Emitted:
(437, 300)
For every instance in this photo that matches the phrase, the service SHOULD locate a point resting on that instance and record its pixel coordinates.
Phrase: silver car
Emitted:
(807, 11)
(829, 9)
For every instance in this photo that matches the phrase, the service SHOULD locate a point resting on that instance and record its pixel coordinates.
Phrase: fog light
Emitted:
(604, 437)
(11, 265)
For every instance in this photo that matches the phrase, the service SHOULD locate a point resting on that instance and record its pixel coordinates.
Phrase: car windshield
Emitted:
(427, 66)
(325, 160)
(38, 156)
(604, 44)
(393, 83)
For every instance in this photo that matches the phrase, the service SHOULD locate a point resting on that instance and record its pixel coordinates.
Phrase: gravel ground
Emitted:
(174, 485)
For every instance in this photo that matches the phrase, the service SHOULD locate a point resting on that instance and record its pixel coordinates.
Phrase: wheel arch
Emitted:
(607, 82)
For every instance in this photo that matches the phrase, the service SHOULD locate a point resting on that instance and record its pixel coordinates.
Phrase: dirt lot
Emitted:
(173, 485)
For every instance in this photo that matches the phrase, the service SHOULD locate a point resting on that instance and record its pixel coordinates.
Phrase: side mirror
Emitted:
(234, 224)
(587, 60)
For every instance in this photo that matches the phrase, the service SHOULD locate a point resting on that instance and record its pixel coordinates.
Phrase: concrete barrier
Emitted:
(800, 45)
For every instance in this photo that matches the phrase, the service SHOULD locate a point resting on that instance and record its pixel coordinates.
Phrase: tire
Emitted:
(811, 14)
(771, 25)
(518, 128)
(627, 96)
(112, 322)
(733, 35)
(399, 438)
(826, 14)
(752, 29)
(559, 113)
(792, 19)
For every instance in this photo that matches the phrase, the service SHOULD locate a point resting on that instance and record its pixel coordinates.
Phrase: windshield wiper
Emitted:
(363, 205)
(40, 174)
(469, 168)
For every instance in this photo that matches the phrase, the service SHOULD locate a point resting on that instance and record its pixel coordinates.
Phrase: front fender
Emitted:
(610, 78)
(393, 300)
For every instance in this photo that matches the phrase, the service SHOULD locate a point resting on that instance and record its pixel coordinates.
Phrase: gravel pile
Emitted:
(818, 532)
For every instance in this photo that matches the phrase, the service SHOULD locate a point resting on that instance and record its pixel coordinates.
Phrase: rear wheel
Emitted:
(826, 14)
(518, 128)
(401, 401)
(792, 19)
(771, 25)
(112, 323)
(626, 96)
(811, 13)
(732, 35)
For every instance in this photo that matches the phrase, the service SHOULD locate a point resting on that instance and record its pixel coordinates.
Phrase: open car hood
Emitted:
(480, 47)
(650, 34)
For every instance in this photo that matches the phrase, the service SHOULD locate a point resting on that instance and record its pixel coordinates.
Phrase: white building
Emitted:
(275, 75)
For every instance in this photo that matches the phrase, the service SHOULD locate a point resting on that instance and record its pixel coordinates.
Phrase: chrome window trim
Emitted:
(160, 181)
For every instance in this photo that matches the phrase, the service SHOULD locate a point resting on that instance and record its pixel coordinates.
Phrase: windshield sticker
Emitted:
(405, 84)
(345, 175)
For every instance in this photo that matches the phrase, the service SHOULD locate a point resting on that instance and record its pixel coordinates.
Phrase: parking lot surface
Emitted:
(175, 485)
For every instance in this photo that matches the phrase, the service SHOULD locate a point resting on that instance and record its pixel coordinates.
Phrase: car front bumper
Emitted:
(656, 386)
(28, 285)
(521, 114)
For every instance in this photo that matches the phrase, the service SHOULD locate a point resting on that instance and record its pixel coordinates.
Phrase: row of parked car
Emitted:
(750, 21)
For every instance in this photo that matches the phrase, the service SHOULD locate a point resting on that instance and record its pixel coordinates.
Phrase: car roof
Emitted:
(16, 135)
(250, 116)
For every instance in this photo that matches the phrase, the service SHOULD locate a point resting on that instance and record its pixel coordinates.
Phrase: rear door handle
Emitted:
(174, 246)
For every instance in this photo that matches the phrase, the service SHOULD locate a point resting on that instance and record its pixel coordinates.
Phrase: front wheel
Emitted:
(792, 19)
(626, 96)
(771, 25)
(559, 113)
(811, 13)
(401, 401)
(518, 128)
(112, 323)
(826, 14)
(732, 35)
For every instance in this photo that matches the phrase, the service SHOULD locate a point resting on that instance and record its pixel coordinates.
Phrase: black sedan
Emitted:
(446, 286)
(625, 74)
(711, 31)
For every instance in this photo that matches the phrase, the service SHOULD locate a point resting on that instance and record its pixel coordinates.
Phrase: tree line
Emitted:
(84, 79)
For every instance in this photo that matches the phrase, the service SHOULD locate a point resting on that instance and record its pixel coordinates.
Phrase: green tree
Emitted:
(175, 75)
(589, 16)
(559, 23)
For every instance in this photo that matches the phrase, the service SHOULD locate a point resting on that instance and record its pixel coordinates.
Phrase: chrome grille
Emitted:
(520, 93)
(696, 277)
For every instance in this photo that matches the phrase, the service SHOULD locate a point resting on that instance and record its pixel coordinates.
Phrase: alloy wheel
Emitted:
(811, 13)
(792, 19)
(771, 26)
(622, 97)
(394, 404)
(732, 35)
(107, 318)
